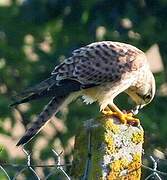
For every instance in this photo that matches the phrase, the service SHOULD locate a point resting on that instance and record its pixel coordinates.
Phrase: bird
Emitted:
(98, 72)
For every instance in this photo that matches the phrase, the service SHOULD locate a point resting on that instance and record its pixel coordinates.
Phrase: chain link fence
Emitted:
(153, 168)
(28, 171)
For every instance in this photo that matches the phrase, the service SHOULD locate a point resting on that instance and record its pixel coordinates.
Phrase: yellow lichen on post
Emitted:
(108, 150)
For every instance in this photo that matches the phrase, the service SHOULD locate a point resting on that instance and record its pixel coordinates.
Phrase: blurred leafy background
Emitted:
(35, 35)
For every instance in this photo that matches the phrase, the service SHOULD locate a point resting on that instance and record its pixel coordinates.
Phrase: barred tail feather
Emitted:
(49, 110)
(62, 95)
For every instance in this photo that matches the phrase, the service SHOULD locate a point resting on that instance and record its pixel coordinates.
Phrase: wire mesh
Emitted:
(20, 169)
(58, 170)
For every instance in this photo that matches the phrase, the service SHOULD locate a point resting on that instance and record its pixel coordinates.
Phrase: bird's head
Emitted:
(143, 93)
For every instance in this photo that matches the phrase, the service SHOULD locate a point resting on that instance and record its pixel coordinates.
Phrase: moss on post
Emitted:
(108, 150)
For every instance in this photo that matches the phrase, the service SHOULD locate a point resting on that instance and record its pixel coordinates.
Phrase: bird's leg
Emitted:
(107, 111)
(124, 118)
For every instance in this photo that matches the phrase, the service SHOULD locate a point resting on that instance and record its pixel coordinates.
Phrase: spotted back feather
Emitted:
(99, 62)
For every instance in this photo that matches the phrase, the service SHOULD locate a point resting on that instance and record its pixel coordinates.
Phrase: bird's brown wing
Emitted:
(98, 63)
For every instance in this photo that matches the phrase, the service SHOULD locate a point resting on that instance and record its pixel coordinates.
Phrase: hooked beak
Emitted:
(135, 111)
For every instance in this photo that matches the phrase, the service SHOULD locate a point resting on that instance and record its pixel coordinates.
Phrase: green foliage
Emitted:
(37, 35)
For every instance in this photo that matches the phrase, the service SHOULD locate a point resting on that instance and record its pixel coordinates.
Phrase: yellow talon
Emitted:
(124, 118)
(128, 119)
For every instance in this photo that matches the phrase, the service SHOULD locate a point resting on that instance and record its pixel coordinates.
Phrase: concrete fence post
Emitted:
(108, 150)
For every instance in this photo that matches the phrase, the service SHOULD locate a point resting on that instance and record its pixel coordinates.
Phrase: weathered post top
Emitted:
(108, 150)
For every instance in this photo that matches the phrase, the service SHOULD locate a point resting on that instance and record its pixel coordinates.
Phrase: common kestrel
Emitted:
(98, 72)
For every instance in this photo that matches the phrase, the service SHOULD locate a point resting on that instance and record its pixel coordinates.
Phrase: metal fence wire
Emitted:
(57, 170)
(20, 170)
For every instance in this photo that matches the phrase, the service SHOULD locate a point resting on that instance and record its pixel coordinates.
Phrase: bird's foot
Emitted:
(127, 118)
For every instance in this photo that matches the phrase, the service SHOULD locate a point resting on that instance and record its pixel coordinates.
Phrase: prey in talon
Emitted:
(125, 117)
(98, 72)
(131, 113)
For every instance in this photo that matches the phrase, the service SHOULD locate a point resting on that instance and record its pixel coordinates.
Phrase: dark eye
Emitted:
(147, 96)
